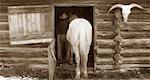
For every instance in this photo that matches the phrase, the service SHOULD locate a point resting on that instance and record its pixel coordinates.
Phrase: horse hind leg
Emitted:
(77, 59)
(84, 62)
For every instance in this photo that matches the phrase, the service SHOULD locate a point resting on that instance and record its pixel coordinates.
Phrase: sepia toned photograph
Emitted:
(74, 40)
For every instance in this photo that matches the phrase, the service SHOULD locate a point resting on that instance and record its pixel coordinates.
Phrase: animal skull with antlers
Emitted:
(126, 9)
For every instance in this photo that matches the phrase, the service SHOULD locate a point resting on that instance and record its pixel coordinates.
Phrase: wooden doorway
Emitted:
(83, 12)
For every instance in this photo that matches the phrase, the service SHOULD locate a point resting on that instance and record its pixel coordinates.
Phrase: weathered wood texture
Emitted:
(135, 34)
(30, 24)
(52, 59)
(36, 56)
(25, 2)
(10, 56)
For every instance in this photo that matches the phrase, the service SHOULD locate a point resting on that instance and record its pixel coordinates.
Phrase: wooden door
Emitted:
(31, 24)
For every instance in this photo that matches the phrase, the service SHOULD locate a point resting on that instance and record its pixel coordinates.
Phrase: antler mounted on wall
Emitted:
(126, 9)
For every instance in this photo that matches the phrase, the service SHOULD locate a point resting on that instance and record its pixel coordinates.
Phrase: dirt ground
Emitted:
(24, 71)
(67, 72)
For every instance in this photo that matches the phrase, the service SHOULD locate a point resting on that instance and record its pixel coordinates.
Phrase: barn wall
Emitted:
(135, 34)
(35, 56)
(135, 43)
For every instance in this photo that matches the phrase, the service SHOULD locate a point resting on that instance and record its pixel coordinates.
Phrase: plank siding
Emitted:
(29, 24)
(33, 55)
(36, 56)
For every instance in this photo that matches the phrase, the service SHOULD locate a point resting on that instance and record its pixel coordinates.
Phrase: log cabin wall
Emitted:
(136, 39)
(135, 34)
(35, 55)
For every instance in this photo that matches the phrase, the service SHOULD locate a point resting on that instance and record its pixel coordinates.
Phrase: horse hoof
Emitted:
(77, 77)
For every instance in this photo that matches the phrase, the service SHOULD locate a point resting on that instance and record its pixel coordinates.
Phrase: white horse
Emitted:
(79, 35)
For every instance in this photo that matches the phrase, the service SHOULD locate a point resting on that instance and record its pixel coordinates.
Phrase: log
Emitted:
(124, 66)
(105, 55)
(105, 51)
(34, 66)
(75, 3)
(21, 50)
(28, 9)
(140, 16)
(125, 1)
(135, 55)
(38, 66)
(124, 52)
(12, 61)
(136, 60)
(3, 9)
(7, 44)
(22, 2)
(130, 26)
(142, 2)
(105, 34)
(4, 35)
(135, 34)
(104, 16)
(104, 26)
(104, 61)
(99, 67)
(24, 54)
(103, 6)
(11, 65)
(3, 17)
(26, 51)
(105, 43)
(135, 42)
(136, 26)
(133, 17)
(4, 26)
(135, 51)
(24, 61)
(30, 41)
(4, 42)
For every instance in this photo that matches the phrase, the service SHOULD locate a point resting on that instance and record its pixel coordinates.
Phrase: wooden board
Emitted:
(130, 26)
(24, 2)
(31, 24)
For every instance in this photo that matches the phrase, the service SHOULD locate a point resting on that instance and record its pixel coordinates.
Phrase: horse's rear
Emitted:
(79, 35)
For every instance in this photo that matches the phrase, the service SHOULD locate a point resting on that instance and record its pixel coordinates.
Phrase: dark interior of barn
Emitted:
(82, 12)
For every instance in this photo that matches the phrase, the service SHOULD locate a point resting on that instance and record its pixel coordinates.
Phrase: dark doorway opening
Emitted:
(82, 12)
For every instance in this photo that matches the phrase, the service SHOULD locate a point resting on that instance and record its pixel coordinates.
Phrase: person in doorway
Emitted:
(62, 43)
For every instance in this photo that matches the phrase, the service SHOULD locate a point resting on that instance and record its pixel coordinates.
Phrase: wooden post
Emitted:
(117, 23)
(51, 59)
